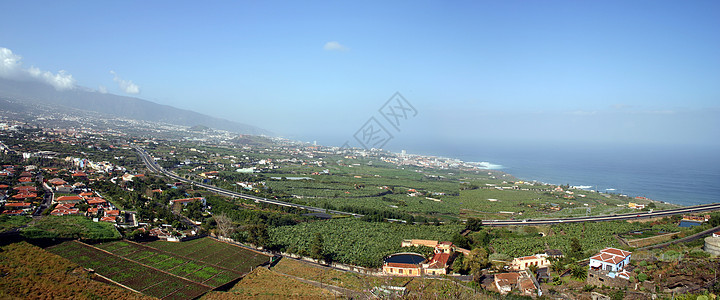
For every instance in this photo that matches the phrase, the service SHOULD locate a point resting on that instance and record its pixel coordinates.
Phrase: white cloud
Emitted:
(11, 68)
(102, 89)
(126, 85)
(334, 46)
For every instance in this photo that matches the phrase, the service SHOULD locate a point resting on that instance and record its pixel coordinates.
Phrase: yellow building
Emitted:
(522, 263)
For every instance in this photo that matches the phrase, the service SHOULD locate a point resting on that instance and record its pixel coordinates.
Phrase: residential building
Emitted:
(69, 199)
(537, 260)
(522, 281)
(610, 262)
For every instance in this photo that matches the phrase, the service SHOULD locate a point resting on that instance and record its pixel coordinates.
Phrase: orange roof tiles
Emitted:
(24, 196)
(401, 265)
(69, 198)
(18, 204)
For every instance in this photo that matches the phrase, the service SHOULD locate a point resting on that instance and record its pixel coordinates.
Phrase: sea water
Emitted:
(684, 175)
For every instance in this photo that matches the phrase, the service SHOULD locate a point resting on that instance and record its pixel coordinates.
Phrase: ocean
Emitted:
(674, 174)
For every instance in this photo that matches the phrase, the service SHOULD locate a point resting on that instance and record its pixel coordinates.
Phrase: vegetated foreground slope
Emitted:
(29, 272)
(265, 284)
(71, 227)
(163, 274)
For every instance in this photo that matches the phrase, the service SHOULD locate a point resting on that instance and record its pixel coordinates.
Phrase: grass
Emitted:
(348, 280)
(30, 272)
(71, 227)
(266, 284)
(10, 222)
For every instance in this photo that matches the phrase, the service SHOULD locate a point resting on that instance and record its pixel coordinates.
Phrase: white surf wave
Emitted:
(583, 187)
(487, 165)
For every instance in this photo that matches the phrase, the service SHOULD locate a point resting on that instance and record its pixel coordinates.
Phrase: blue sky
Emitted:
(628, 72)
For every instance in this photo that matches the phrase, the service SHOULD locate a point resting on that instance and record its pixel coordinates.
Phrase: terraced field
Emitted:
(163, 269)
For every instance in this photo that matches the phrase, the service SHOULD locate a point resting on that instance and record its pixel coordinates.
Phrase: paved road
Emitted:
(47, 198)
(682, 240)
(640, 215)
(154, 167)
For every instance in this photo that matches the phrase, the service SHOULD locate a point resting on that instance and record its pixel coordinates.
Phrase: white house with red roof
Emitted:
(612, 260)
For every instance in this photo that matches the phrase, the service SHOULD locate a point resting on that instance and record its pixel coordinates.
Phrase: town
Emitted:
(417, 219)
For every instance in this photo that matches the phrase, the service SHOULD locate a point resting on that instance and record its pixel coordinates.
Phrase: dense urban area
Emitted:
(115, 208)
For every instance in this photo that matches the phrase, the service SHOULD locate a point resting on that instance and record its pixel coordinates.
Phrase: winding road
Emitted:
(154, 167)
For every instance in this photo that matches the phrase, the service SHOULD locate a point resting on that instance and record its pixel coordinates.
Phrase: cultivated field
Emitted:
(164, 273)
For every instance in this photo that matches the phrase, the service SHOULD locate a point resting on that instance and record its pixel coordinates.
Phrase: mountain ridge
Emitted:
(117, 105)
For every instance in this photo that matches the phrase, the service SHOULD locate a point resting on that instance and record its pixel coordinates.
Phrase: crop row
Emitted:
(212, 252)
(136, 276)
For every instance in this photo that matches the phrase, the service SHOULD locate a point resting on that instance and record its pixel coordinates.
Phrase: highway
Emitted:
(154, 167)
(638, 215)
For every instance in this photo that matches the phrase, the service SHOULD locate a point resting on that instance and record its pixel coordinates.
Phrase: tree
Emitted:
(576, 251)
(480, 238)
(258, 235)
(476, 261)
(557, 265)
(461, 241)
(579, 272)
(473, 224)
(225, 225)
(458, 265)
(316, 248)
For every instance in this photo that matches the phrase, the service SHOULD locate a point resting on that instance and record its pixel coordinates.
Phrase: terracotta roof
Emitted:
(57, 181)
(528, 257)
(25, 179)
(616, 251)
(24, 196)
(96, 200)
(12, 212)
(400, 265)
(112, 213)
(18, 204)
(69, 198)
(527, 285)
(611, 255)
(624, 274)
(108, 219)
(507, 278)
(439, 260)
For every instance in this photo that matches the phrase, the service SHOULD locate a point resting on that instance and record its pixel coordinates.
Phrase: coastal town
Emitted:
(52, 176)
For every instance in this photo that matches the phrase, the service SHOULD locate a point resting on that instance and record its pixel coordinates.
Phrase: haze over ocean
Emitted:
(681, 175)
